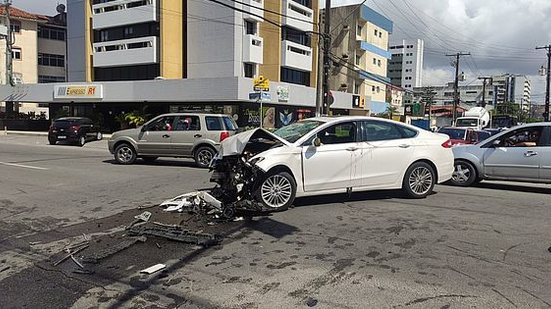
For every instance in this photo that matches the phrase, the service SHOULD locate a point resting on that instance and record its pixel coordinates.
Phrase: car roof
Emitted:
(71, 118)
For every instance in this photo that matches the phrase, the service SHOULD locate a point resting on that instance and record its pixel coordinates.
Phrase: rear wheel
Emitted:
(464, 174)
(419, 180)
(81, 141)
(277, 191)
(125, 154)
(203, 156)
(52, 141)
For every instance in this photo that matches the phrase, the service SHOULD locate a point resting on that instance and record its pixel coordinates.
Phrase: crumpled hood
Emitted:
(235, 144)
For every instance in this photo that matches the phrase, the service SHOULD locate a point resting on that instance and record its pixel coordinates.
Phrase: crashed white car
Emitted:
(327, 155)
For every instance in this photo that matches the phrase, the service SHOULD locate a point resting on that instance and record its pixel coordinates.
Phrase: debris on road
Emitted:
(153, 269)
(178, 234)
(4, 269)
(311, 302)
(70, 253)
(77, 262)
(107, 252)
(141, 218)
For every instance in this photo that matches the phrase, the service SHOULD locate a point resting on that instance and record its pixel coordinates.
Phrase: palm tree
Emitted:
(391, 110)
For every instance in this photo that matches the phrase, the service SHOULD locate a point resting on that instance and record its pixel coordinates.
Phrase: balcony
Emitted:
(255, 7)
(124, 12)
(253, 50)
(297, 16)
(296, 56)
(126, 52)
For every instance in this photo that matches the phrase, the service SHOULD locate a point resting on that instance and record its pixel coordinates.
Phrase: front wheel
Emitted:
(203, 156)
(99, 136)
(464, 174)
(125, 154)
(52, 141)
(419, 180)
(277, 191)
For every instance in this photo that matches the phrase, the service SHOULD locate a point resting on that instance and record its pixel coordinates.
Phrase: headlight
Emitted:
(254, 161)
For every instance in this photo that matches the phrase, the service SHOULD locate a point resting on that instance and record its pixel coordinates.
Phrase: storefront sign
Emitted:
(76, 92)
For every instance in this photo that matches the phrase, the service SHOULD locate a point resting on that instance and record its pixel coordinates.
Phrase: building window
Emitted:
(372, 88)
(136, 72)
(44, 79)
(249, 69)
(295, 76)
(296, 36)
(357, 87)
(51, 60)
(15, 26)
(375, 61)
(378, 89)
(358, 59)
(250, 27)
(376, 32)
(380, 34)
(379, 62)
(16, 53)
(306, 3)
(127, 32)
(51, 33)
(359, 30)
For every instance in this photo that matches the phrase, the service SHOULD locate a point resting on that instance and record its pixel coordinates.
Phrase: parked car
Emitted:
(192, 135)
(79, 130)
(328, 155)
(519, 154)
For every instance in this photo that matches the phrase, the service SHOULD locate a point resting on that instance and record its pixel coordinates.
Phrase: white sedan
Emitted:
(327, 155)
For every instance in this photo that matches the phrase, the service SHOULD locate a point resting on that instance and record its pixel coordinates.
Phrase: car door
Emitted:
(187, 131)
(156, 137)
(545, 156)
(332, 164)
(517, 156)
(386, 152)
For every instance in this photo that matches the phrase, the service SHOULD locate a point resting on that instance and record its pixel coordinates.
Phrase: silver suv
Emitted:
(190, 135)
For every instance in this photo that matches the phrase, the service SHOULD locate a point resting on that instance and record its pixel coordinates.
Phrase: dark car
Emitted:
(77, 130)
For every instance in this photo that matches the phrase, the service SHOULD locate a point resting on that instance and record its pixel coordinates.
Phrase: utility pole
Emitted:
(319, 92)
(484, 79)
(326, 60)
(9, 43)
(547, 72)
(456, 83)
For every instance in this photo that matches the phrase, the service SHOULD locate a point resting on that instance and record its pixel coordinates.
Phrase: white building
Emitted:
(405, 69)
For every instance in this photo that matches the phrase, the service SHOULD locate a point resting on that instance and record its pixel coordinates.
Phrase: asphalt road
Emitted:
(484, 247)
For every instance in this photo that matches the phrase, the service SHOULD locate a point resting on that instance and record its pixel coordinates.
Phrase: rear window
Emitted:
(453, 133)
(214, 123)
(230, 124)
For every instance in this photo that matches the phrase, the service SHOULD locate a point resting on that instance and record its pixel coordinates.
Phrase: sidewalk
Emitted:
(34, 133)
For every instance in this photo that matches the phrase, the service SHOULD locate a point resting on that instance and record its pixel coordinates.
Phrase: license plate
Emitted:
(61, 137)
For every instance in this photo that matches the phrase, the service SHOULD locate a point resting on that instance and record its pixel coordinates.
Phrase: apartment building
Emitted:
(360, 50)
(512, 88)
(38, 53)
(405, 68)
(148, 39)
(469, 95)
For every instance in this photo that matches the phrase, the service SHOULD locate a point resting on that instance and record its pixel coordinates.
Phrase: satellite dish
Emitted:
(60, 8)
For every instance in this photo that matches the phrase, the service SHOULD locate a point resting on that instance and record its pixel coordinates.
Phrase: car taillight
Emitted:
(447, 144)
(224, 135)
(75, 128)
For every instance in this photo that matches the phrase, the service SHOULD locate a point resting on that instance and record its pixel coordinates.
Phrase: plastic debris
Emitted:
(311, 302)
(153, 269)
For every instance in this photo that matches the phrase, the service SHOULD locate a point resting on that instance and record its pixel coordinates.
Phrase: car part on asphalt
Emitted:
(111, 250)
(141, 218)
(153, 269)
(70, 253)
(77, 262)
(178, 234)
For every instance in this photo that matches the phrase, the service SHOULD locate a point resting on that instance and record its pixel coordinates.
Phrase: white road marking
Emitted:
(24, 166)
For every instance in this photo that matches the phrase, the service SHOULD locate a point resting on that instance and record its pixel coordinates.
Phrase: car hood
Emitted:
(128, 132)
(236, 144)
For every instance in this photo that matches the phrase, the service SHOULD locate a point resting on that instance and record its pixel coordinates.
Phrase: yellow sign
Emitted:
(261, 84)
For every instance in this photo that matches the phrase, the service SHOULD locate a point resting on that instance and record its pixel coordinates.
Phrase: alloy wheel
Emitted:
(420, 180)
(276, 191)
(204, 157)
(461, 173)
(125, 154)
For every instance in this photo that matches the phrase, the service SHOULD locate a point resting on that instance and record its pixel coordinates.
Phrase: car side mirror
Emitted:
(316, 142)
(496, 143)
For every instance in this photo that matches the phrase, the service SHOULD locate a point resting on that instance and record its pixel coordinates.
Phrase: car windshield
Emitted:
(466, 122)
(295, 131)
(453, 133)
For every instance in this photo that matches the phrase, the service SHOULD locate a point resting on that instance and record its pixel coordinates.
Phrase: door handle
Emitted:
(404, 146)
(197, 135)
(166, 136)
(530, 154)
(351, 149)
